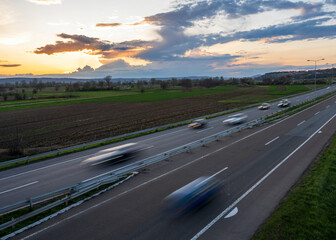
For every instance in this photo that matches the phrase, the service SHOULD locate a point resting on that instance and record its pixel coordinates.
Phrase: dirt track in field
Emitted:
(43, 129)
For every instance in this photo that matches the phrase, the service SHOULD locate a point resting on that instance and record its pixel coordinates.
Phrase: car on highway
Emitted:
(264, 106)
(114, 154)
(191, 196)
(198, 123)
(235, 119)
(284, 103)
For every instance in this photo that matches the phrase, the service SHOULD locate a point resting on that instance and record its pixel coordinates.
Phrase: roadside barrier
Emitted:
(67, 193)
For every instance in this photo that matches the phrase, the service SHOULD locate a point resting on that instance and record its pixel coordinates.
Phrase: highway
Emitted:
(258, 167)
(35, 179)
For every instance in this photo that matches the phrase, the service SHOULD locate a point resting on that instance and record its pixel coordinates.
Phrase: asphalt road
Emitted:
(258, 167)
(35, 179)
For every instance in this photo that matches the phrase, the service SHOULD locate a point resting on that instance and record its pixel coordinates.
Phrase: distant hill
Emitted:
(299, 75)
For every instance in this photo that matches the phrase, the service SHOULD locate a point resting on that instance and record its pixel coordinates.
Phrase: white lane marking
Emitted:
(218, 172)
(37, 169)
(271, 141)
(148, 147)
(255, 185)
(327, 106)
(317, 113)
(205, 129)
(163, 135)
(301, 122)
(165, 174)
(25, 185)
(232, 213)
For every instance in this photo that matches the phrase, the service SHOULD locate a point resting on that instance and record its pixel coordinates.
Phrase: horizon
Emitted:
(85, 39)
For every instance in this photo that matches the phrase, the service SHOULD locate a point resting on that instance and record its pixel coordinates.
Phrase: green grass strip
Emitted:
(309, 212)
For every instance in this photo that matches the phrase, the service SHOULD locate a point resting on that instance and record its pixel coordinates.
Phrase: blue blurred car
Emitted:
(191, 196)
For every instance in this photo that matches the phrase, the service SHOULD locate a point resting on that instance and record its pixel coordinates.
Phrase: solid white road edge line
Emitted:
(158, 177)
(255, 185)
(271, 141)
(317, 113)
(22, 186)
(34, 170)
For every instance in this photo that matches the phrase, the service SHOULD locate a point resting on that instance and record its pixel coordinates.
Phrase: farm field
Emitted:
(40, 125)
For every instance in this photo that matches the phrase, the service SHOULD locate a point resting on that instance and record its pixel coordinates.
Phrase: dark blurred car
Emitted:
(198, 123)
(114, 154)
(235, 119)
(191, 196)
(264, 106)
(284, 103)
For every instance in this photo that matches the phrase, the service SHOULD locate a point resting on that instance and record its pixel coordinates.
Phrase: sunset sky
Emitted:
(152, 38)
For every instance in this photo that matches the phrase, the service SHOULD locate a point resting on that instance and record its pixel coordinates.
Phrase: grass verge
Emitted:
(309, 212)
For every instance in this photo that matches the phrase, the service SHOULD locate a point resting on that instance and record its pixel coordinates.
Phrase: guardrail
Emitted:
(27, 158)
(78, 189)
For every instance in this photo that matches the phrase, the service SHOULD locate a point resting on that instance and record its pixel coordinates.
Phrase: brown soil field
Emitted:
(43, 129)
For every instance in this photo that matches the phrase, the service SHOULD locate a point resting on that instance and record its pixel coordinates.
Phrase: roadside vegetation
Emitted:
(309, 211)
(39, 116)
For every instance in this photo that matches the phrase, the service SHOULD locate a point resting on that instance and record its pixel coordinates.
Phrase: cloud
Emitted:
(105, 49)
(85, 69)
(174, 24)
(108, 24)
(10, 65)
(305, 21)
(45, 2)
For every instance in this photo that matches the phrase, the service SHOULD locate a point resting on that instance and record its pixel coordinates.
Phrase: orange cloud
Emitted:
(108, 24)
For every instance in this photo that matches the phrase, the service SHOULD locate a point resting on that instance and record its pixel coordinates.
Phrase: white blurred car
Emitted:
(114, 154)
(236, 119)
(284, 103)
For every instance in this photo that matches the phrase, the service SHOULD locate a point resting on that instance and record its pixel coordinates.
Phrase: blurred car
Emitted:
(114, 154)
(191, 196)
(264, 106)
(198, 123)
(235, 119)
(284, 103)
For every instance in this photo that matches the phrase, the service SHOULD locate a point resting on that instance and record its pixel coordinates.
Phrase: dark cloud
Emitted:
(108, 24)
(97, 46)
(174, 23)
(310, 24)
(10, 65)
(298, 31)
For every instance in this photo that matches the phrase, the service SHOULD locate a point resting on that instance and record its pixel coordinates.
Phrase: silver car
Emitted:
(235, 119)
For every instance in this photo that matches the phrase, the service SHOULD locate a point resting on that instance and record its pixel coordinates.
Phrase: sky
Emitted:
(175, 38)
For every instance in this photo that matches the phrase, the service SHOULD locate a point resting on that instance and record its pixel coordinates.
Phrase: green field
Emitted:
(50, 98)
(273, 92)
(309, 212)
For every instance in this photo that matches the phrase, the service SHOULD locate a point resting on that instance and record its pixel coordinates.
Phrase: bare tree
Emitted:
(108, 79)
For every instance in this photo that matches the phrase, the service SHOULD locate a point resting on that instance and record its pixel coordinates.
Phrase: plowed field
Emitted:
(46, 128)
